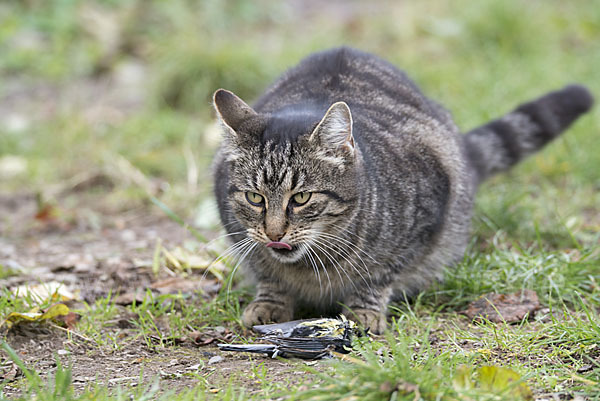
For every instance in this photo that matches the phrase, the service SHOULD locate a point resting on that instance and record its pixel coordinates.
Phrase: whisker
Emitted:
(340, 245)
(227, 252)
(314, 267)
(324, 269)
(334, 263)
(350, 262)
(248, 248)
(223, 236)
(347, 231)
(348, 244)
(232, 249)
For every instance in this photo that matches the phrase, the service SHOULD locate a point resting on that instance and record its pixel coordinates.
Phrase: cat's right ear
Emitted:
(232, 110)
(335, 129)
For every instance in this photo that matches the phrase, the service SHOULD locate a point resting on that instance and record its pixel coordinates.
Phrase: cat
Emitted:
(344, 187)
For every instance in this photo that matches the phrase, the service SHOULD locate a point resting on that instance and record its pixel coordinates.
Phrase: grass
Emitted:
(535, 227)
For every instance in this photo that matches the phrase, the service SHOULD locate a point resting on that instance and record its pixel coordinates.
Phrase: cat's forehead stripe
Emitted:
(277, 169)
(294, 180)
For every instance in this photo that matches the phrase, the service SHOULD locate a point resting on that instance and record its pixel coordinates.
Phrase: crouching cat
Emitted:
(344, 186)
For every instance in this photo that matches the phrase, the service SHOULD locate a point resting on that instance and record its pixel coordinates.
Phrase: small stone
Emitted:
(83, 379)
(215, 359)
(63, 352)
(128, 235)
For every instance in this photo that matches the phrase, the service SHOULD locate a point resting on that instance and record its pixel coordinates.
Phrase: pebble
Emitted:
(215, 359)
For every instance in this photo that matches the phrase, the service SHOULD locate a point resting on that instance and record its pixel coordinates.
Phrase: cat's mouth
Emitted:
(279, 245)
(284, 251)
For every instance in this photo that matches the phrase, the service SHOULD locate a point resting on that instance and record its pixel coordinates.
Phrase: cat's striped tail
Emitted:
(501, 143)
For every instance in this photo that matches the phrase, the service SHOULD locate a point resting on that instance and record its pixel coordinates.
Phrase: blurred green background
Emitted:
(122, 88)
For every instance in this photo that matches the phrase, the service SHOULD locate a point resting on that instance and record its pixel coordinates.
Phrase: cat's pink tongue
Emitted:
(279, 245)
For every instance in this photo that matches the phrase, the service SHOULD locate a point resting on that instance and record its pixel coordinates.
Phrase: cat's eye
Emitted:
(254, 199)
(301, 198)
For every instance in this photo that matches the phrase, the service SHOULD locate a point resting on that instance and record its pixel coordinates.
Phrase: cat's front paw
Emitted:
(266, 312)
(375, 321)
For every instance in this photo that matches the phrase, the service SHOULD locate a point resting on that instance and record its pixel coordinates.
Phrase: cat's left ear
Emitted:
(335, 129)
(232, 110)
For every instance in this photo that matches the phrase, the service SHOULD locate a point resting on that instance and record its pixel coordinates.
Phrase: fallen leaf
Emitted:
(47, 213)
(503, 380)
(492, 379)
(174, 285)
(70, 320)
(462, 378)
(52, 291)
(209, 337)
(182, 259)
(509, 308)
(35, 315)
(199, 339)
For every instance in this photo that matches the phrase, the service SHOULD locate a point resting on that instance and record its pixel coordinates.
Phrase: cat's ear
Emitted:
(232, 110)
(335, 129)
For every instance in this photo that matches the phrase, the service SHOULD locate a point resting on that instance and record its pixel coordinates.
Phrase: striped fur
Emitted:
(501, 143)
(391, 183)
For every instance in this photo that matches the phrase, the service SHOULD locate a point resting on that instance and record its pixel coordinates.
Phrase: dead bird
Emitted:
(305, 339)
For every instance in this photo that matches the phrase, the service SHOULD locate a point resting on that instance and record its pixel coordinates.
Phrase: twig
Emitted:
(70, 332)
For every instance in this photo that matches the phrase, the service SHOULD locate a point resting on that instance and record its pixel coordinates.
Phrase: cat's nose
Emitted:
(275, 224)
(275, 235)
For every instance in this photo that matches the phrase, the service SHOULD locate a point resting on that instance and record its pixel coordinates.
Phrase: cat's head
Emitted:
(292, 174)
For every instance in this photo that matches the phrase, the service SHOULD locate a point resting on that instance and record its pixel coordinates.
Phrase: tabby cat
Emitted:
(344, 187)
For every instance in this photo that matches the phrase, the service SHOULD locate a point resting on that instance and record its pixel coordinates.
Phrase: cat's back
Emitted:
(362, 80)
